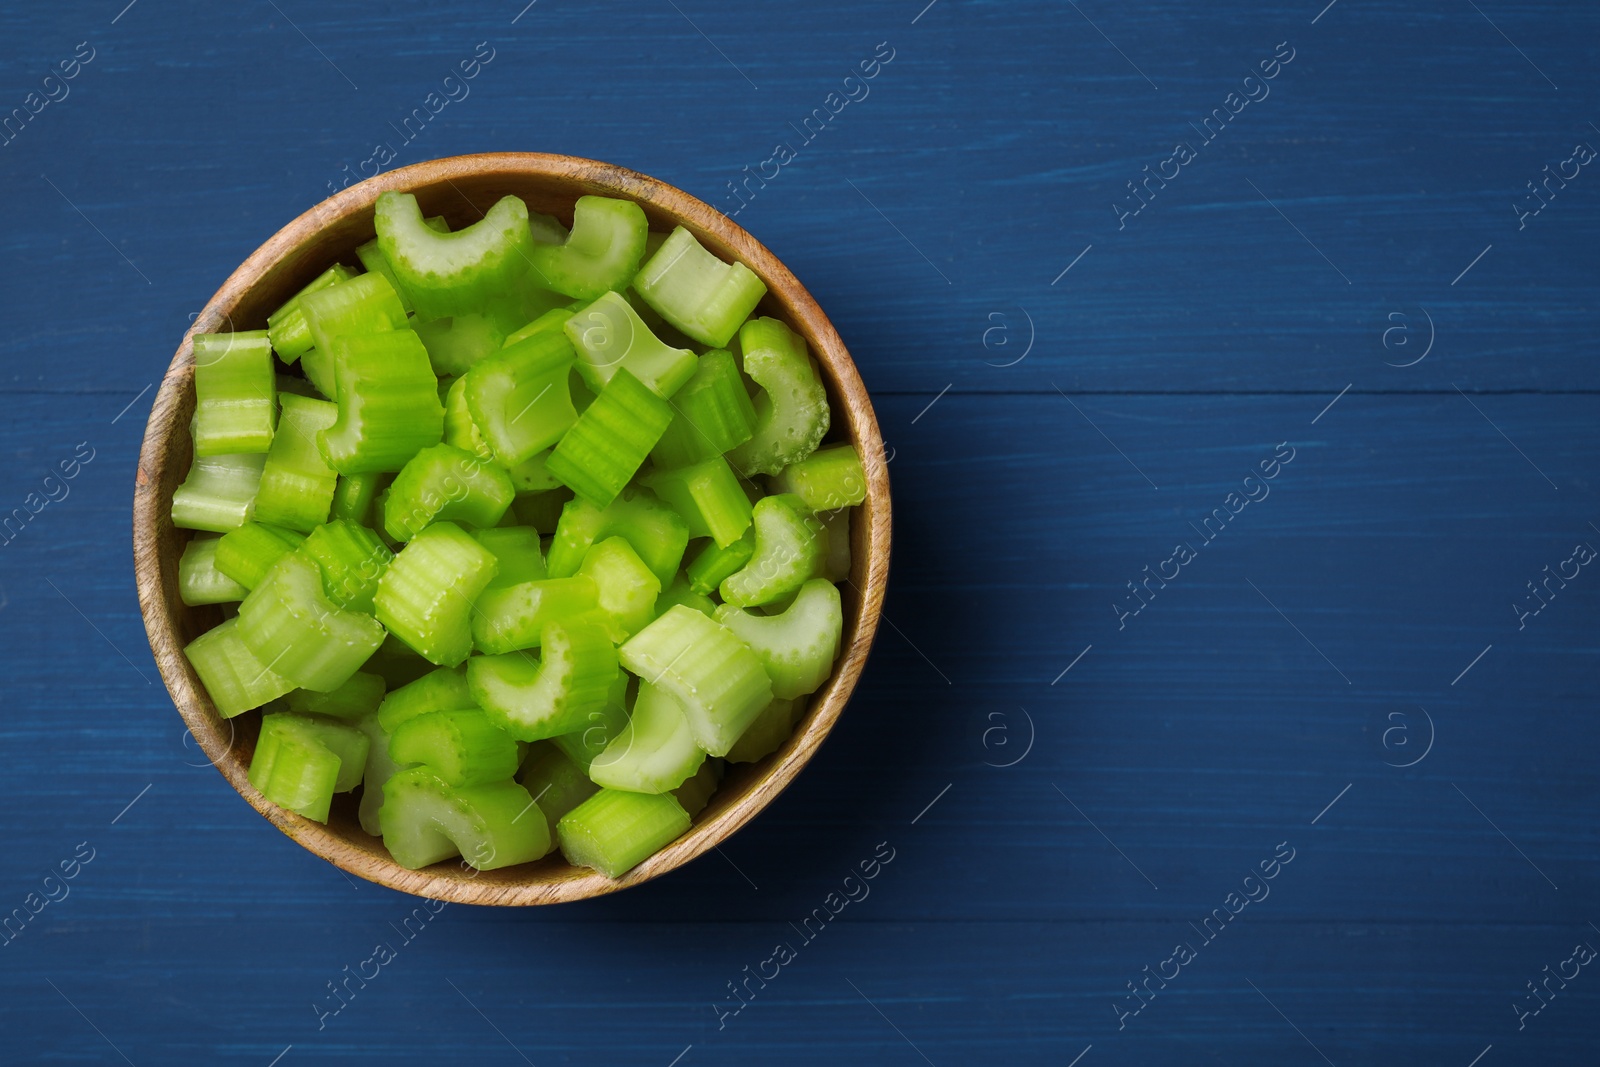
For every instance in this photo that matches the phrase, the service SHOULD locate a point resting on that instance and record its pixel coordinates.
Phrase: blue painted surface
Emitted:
(1357, 617)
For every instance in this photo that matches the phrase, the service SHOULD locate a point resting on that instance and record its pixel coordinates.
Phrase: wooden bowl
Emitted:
(461, 189)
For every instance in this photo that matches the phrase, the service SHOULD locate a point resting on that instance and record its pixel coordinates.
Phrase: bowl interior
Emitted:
(462, 189)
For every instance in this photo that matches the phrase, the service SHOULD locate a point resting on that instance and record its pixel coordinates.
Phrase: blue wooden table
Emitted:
(1236, 698)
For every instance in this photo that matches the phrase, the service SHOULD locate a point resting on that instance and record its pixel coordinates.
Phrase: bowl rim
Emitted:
(151, 509)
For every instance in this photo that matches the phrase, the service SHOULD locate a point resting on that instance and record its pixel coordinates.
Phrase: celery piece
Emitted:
(836, 568)
(459, 429)
(609, 336)
(452, 273)
(711, 414)
(696, 792)
(791, 546)
(346, 742)
(716, 562)
(248, 553)
(541, 510)
(398, 663)
(454, 344)
(602, 252)
(708, 496)
(319, 371)
(292, 627)
(533, 474)
(355, 699)
(697, 292)
(425, 597)
(463, 747)
(655, 531)
(371, 257)
(679, 592)
(799, 646)
(536, 698)
(380, 768)
(235, 679)
(604, 726)
(199, 581)
(828, 479)
(424, 821)
(287, 328)
(294, 772)
(297, 485)
(556, 783)
(792, 409)
(236, 393)
(550, 321)
(516, 549)
(610, 441)
(513, 617)
(626, 589)
(441, 689)
(656, 752)
(219, 492)
(519, 397)
(365, 304)
(718, 680)
(351, 559)
(445, 482)
(768, 733)
(388, 402)
(614, 831)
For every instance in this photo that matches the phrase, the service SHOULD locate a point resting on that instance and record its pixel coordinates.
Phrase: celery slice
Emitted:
(697, 292)
(828, 479)
(248, 553)
(602, 251)
(533, 474)
(614, 831)
(388, 403)
(287, 328)
(550, 321)
(695, 794)
(355, 699)
(516, 549)
(236, 393)
(351, 559)
(219, 493)
(235, 679)
(353, 497)
(199, 581)
(716, 562)
(556, 783)
(371, 257)
(791, 546)
(609, 336)
(656, 752)
(655, 531)
(441, 689)
(456, 343)
(380, 768)
(365, 304)
(603, 450)
(297, 485)
(445, 482)
(513, 617)
(626, 589)
(294, 772)
(459, 429)
(799, 646)
(712, 414)
(289, 623)
(718, 680)
(792, 409)
(424, 821)
(425, 596)
(346, 742)
(452, 273)
(768, 733)
(462, 747)
(604, 725)
(836, 568)
(708, 496)
(519, 397)
(537, 698)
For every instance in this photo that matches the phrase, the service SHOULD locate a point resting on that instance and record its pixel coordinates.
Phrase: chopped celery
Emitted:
(388, 403)
(836, 568)
(768, 733)
(248, 553)
(697, 292)
(716, 562)
(604, 725)
(828, 479)
(602, 252)
(352, 559)
(365, 304)
(711, 414)
(718, 680)
(424, 821)
(236, 393)
(548, 322)
(342, 739)
(626, 589)
(609, 336)
(554, 694)
(519, 397)
(199, 581)
(456, 343)
(792, 409)
(516, 549)
(294, 771)
(236, 680)
(463, 747)
(355, 699)
(708, 496)
(513, 617)
(297, 485)
(219, 493)
(425, 596)
(656, 752)
(445, 482)
(380, 768)
(655, 531)
(292, 627)
(799, 646)
(319, 371)
(287, 328)
(556, 783)
(679, 592)
(791, 545)
(372, 258)
(610, 441)
(533, 475)
(452, 273)
(459, 429)
(613, 831)
(696, 792)
(441, 689)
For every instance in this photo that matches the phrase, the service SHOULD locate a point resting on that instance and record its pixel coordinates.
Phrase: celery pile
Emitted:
(524, 533)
